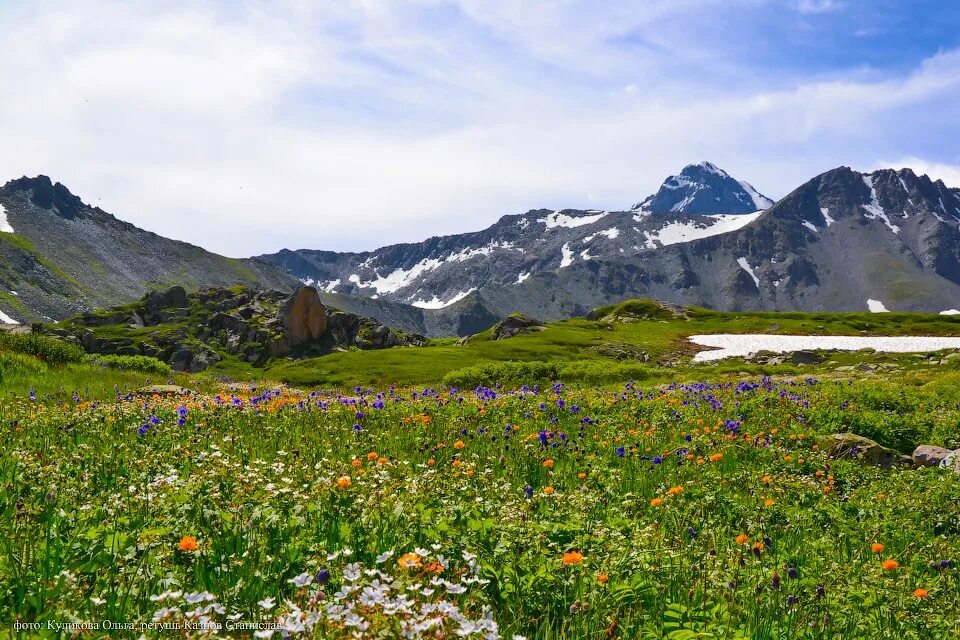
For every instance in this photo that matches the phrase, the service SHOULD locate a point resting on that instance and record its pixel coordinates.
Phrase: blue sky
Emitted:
(350, 124)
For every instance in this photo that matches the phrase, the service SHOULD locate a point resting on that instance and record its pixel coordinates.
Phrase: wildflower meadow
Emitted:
(706, 510)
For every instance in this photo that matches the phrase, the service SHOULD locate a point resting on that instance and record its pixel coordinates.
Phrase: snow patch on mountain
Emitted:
(874, 210)
(4, 318)
(875, 306)
(760, 201)
(699, 227)
(437, 303)
(826, 216)
(612, 233)
(950, 312)
(398, 278)
(559, 219)
(471, 252)
(746, 267)
(4, 225)
(567, 255)
(809, 225)
(522, 277)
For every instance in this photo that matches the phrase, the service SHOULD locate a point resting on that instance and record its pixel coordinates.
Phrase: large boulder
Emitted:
(928, 455)
(174, 297)
(515, 325)
(302, 316)
(865, 450)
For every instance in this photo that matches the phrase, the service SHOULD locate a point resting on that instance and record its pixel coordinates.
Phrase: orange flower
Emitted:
(459, 444)
(382, 461)
(743, 539)
(890, 565)
(431, 462)
(357, 463)
(603, 578)
(457, 463)
(548, 463)
(581, 475)
(675, 490)
(656, 502)
(344, 481)
(920, 593)
(769, 502)
(433, 567)
(372, 455)
(548, 491)
(819, 473)
(715, 457)
(572, 557)
(409, 561)
(876, 547)
(188, 543)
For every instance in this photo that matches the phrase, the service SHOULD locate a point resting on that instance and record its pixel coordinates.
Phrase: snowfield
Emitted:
(5, 319)
(694, 229)
(4, 225)
(731, 345)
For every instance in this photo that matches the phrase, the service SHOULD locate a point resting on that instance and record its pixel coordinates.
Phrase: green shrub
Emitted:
(145, 364)
(49, 349)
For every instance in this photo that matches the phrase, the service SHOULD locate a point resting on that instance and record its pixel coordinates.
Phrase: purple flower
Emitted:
(792, 573)
(323, 576)
(528, 490)
(621, 451)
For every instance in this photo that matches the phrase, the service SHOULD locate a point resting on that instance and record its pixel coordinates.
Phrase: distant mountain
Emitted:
(704, 188)
(842, 241)
(59, 256)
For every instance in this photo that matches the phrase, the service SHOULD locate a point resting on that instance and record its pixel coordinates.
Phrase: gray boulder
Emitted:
(928, 455)
(515, 325)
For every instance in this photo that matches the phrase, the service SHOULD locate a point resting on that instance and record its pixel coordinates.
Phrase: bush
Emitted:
(51, 350)
(145, 364)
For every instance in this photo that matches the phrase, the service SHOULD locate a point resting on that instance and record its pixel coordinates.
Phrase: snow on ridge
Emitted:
(470, 252)
(612, 233)
(874, 210)
(4, 318)
(437, 303)
(729, 345)
(687, 230)
(760, 201)
(523, 276)
(809, 225)
(558, 219)
(746, 267)
(950, 312)
(398, 278)
(4, 225)
(567, 256)
(330, 286)
(875, 306)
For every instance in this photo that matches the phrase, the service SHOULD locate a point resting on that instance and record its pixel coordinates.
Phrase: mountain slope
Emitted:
(59, 256)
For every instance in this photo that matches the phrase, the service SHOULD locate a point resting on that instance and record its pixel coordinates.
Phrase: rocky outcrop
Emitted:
(515, 325)
(303, 317)
(191, 332)
(854, 447)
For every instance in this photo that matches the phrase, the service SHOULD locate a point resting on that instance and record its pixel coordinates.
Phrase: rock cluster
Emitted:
(191, 332)
(515, 325)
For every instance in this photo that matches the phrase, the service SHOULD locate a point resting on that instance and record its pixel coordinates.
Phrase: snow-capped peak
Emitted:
(704, 188)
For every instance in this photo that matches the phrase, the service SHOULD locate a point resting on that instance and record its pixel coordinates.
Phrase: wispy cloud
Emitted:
(354, 124)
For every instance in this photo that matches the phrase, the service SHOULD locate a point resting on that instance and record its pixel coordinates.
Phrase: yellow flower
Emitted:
(769, 502)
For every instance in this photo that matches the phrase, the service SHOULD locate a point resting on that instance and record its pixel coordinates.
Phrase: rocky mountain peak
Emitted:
(704, 188)
(47, 194)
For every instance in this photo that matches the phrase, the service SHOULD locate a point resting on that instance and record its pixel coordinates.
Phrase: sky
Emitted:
(246, 126)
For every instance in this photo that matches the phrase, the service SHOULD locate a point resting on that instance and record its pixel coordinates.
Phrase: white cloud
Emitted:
(356, 124)
(949, 173)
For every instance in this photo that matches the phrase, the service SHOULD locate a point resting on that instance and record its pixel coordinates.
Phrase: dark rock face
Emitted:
(515, 325)
(303, 317)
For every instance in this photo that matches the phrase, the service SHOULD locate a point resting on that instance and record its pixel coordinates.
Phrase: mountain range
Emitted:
(844, 240)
